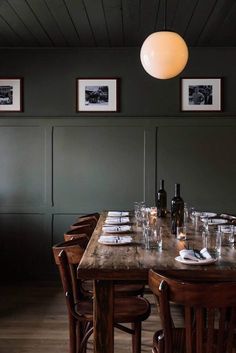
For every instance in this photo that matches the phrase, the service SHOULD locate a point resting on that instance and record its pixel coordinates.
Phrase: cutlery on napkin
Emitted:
(117, 220)
(116, 229)
(113, 239)
(195, 255)
(117, 213)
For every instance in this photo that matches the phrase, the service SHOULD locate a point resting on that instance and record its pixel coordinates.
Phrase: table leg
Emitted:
(103, 317)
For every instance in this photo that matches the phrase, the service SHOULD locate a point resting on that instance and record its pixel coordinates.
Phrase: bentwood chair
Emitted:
(76, 232)
(90, 219)
(132, 310)
(209, 316)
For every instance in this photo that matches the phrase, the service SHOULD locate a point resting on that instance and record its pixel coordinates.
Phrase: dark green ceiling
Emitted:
(108, 23)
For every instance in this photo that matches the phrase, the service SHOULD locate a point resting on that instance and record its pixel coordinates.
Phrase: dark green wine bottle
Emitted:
(177, 210)
(161, 200)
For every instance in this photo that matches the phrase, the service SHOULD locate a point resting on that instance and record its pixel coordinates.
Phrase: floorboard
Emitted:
(33, 320)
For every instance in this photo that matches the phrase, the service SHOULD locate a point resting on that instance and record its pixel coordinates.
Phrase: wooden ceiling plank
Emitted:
(215, 22)
(9, 34)
(46, 19)
(226, 33)
(11, 17)
(131, 18)
(113, 15)
(183, 16)
(96, 16)
(28, 18)
(202, 13)
(148, 15)
(64, 21)
(79, 17)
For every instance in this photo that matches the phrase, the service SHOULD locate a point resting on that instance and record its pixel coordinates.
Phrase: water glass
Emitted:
(137, 211)
(153, 238)
(212, 241)
(181, 233)
(227, 234)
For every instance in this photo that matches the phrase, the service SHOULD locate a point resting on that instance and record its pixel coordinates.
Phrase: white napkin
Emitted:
(189, 255)
(114, 239)
(116, 229)
(117, 213)
(117, 220)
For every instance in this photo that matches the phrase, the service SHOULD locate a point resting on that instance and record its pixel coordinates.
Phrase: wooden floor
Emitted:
(33, 320)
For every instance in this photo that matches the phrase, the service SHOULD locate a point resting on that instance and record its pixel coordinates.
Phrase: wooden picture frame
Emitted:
(11, 94)
(201, 94)
(97, 94)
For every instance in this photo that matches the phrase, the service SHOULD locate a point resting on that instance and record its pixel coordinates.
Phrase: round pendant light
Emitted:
(164, 54)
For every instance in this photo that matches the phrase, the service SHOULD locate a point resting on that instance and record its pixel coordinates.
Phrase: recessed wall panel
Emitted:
(202, 159)
(98, 168)
(22, 166)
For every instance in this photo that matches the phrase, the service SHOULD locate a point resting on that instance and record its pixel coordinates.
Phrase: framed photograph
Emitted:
(97, 94)
(201, 94)
(11, 94)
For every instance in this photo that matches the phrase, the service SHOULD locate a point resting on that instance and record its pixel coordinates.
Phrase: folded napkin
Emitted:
(194, 255)
(117, 213)
(114, 239)
(117, 220)
(116, 229)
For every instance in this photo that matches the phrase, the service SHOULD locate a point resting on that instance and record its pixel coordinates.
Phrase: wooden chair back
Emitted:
(95, 216)
(89, 223)
(73, 251)
(84, 229)
(209, 314)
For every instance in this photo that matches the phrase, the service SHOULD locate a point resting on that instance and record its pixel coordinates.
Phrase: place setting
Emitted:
(115, 239)
(195, 257)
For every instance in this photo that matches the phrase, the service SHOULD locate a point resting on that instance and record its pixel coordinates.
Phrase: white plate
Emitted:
(117, 220)
(116, 229)
(191, 262)
(227, 229)
(114, 240)
(207, 214)
(117, 213)
(216, 221)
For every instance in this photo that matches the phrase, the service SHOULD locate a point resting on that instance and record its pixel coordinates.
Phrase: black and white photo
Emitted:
(11, 94)
(199, 94)
(96, 95)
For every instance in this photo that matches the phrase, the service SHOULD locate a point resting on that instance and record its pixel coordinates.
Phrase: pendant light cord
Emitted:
(165, 7)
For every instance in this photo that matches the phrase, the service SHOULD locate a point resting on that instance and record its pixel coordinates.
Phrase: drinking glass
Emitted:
(137, 211)
(153, 238)
(181, 233)
(227, 234)
(212, 241)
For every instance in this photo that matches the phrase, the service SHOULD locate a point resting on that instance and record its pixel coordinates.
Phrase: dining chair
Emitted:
(124, 288)
(209, 316)
(130, 309)
(80, 229)
(94, 215)
(91, 219)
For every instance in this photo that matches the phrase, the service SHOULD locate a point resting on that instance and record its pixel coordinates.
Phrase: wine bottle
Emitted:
(161, 200)
(177, 210)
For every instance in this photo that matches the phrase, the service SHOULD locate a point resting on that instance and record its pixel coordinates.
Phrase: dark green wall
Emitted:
(56, 163)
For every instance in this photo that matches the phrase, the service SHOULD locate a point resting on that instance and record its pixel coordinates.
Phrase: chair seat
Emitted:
(121, 290)
(131, 309)
(178, 341)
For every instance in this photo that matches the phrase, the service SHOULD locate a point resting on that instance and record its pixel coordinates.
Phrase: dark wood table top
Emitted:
(133, 261)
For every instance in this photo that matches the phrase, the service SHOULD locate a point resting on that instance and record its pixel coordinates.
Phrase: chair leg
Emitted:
(72, 334)
(136, 337)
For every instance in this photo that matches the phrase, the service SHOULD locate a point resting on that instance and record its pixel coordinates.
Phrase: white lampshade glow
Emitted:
(164, 54)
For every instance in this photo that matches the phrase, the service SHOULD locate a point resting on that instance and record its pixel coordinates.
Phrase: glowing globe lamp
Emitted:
(164, 54)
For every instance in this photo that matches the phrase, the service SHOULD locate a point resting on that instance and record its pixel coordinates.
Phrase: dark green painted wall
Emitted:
(56, 163)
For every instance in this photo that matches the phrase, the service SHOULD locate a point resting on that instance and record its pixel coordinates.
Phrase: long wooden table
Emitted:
(105, 264)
